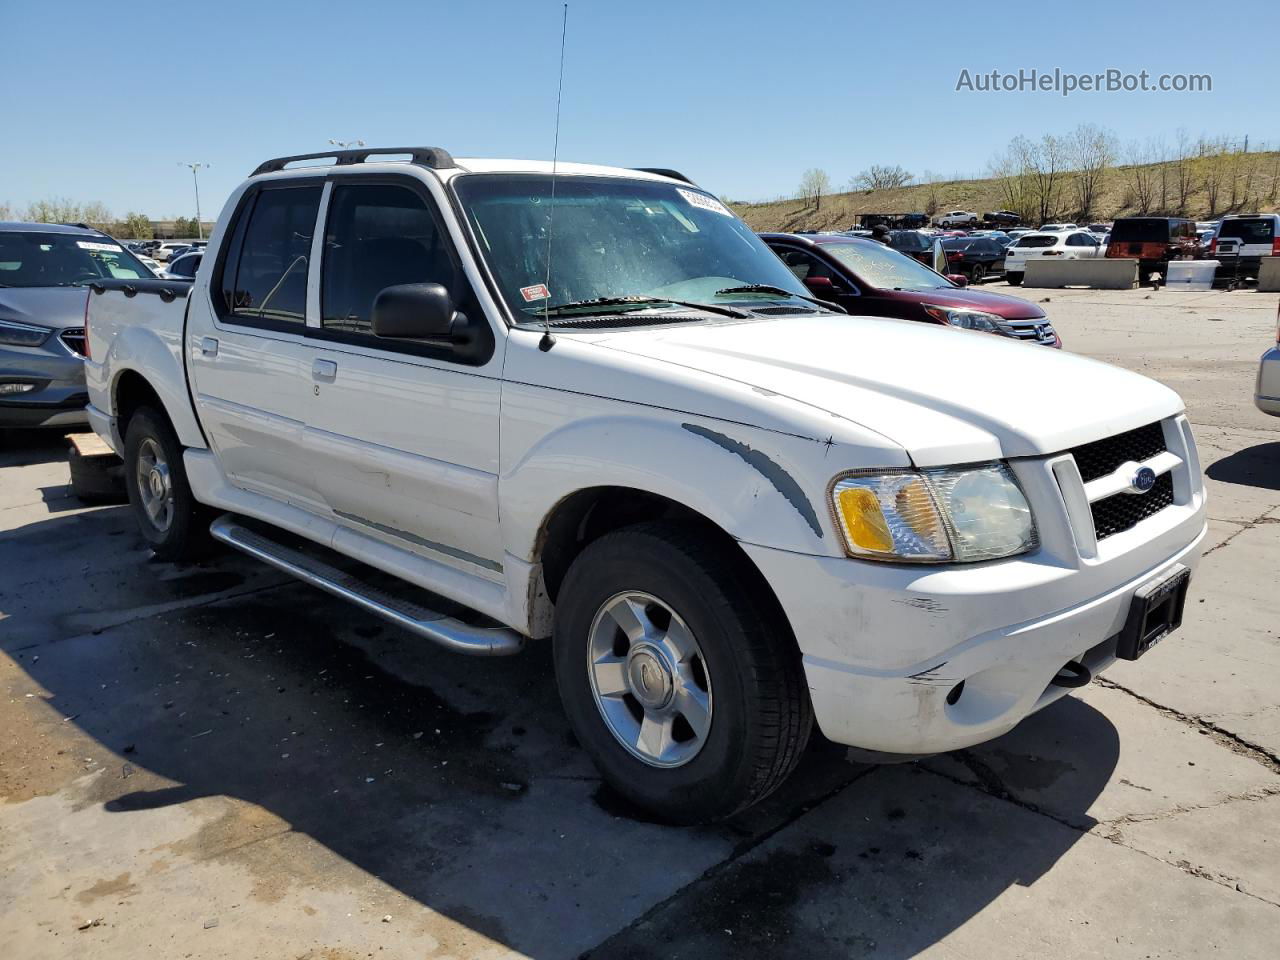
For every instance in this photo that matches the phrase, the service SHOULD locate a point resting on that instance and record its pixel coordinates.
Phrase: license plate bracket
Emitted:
(1154, 613)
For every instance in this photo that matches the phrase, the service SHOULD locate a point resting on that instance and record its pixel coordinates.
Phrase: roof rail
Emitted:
(665, 172)
(433, 157)
(82, 226)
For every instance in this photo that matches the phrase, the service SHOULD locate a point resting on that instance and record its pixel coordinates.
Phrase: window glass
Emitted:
(186, 265)
(378, 236)
(1034, 241)
(271, 272)
(805, 265)
(1254, 230)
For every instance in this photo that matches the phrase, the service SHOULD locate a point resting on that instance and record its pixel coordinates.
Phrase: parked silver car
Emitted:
(44, 269)
(1266, 390)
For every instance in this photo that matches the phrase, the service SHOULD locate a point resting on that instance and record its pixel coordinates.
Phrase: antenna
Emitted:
(548, 341)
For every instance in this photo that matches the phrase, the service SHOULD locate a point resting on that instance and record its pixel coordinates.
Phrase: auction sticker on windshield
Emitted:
(90, 245)
(538, 291)
(704, 202)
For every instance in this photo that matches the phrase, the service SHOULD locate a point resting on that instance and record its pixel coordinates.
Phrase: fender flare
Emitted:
(140, 351)
(745, 480)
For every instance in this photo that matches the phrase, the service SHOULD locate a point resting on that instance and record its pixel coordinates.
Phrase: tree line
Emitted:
(132, 226)
(1070, 175)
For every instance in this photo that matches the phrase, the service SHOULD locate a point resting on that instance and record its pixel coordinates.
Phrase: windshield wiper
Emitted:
(780, 291)
(634, 302)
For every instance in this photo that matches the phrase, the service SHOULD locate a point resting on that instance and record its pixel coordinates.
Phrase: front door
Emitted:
(407, 433)
(247, 346)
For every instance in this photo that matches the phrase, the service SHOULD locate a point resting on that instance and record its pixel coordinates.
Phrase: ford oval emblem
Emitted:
(1144, 478)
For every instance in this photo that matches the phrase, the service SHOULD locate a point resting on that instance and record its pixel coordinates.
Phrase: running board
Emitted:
(449, 633)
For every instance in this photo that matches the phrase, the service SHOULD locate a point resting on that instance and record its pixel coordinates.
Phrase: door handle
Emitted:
(209, 347)
(324, 371)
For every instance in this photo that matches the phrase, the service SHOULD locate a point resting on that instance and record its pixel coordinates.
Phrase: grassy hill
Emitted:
(838, 211)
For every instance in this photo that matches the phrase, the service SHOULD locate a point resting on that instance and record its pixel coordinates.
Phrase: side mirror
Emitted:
(959, 279)
(417, 311)
(821, 287)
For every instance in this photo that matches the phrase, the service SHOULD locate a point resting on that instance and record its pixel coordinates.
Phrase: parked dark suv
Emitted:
(1154, 241)
(866, 277)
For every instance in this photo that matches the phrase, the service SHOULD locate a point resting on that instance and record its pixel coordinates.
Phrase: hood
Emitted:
(1010, 308)
(55, 307)
(945, 395)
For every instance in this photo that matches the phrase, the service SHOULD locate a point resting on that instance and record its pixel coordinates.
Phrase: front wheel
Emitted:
(174, 525)
(977, 273)
(679, 678)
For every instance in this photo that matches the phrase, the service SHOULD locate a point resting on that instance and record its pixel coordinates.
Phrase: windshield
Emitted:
(613, 238)
(879, 266)
(63, 260)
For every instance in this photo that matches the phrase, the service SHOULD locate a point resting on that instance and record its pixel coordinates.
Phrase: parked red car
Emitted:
(869, 278)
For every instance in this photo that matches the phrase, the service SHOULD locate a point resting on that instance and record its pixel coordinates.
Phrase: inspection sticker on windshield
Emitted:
(704, 202)
(89, 245)
(538, 291)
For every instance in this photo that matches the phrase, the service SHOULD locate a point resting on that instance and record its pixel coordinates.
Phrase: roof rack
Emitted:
(82, 226)
(665, 172)
(433, 157)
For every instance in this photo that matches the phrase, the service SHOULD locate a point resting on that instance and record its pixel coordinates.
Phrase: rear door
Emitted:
(1080, 246)
(406, 434)
(246, 340)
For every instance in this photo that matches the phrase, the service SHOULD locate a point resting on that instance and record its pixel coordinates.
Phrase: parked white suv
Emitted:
(1068, 245)
(1242, 241)
(958, 218)
(627, 429)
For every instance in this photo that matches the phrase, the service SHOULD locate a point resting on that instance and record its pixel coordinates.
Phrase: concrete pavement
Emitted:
(209, 761)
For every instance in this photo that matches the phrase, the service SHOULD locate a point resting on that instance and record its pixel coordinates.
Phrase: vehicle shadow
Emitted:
(1256, 466)
(24, 448)
(456, 780)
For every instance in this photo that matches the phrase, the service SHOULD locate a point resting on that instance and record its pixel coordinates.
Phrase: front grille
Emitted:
(1102, 457)
(74, 339)
(1124, 511)
(1037, 331)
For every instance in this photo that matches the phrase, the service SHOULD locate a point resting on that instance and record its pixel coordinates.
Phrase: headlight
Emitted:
(965, 319)
(22, 334)
(932, 516)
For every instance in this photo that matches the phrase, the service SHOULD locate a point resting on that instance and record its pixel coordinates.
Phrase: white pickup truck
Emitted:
(589, 405)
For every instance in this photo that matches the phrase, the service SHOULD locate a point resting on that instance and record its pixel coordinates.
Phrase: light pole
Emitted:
(343, 144)
(196, 180)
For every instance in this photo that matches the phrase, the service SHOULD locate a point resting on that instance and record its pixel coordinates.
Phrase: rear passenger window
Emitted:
(264, 278)
(378, 236)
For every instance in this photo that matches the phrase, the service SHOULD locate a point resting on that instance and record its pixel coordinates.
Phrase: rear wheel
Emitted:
(169, 518)
(679, 678)
(1014, 278)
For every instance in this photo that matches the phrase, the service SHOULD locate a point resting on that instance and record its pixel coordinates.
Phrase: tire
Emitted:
(177, 529)
(977, 273)
(741, 665)
(1014, 279)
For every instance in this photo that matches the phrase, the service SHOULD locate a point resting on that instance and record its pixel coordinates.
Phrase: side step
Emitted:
(446, 631)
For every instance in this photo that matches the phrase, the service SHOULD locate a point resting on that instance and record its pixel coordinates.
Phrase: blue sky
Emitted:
(103, 102)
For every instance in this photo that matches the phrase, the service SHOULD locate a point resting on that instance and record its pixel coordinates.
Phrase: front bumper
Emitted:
(1007, 673)
(883, 645)
(59, 395)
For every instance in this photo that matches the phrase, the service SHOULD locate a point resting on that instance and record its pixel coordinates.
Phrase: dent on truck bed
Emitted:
(782, 481)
